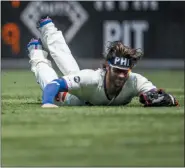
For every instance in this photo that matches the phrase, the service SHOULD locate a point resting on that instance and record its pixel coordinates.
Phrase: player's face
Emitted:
(118, 76)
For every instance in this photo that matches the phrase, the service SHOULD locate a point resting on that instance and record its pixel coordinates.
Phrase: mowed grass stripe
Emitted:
(90, 136)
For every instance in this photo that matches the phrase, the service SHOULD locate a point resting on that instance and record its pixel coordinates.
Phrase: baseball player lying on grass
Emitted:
(113, 84)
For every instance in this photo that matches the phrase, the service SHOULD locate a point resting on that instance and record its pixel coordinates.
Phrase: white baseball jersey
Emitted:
(85, 85)
(88, 86)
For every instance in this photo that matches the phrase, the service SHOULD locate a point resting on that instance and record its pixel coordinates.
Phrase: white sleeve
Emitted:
(143, 84)
(81, 79)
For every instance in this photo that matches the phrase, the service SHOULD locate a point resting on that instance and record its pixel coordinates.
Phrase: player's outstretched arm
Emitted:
(150, 95)
(156, 98)
(51, 90)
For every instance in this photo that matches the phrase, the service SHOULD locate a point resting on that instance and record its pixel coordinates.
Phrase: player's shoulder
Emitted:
(138, 79)
(90, 76)
(90, 73)
(87, 71)
(134, 75)
(134, 78)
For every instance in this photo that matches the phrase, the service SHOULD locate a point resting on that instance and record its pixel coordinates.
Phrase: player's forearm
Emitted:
(52, 89)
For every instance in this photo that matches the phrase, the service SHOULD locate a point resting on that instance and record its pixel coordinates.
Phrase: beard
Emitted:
(116, 82)
(119, 82)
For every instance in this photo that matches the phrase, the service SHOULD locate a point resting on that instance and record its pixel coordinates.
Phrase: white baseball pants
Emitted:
(54, 41)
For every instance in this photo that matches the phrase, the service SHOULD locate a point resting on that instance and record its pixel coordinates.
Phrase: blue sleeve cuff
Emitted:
(52, 89)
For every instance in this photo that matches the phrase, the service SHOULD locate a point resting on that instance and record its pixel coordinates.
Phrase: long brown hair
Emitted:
(118, 49)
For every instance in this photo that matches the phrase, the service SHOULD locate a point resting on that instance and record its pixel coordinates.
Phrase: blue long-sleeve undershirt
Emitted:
(52, 89)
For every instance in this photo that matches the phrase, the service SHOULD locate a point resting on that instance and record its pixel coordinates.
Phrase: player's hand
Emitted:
(49, 106)
(158, 98)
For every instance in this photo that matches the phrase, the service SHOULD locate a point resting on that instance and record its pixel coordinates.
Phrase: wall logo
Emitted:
(73, 10)
(130, 32)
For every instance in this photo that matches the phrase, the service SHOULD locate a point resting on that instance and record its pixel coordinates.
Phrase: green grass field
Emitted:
(90, 136)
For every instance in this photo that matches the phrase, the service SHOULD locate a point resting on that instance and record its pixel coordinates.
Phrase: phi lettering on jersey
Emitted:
(122, 61)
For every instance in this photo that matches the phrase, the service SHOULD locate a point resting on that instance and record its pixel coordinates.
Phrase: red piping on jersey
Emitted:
(64, 96)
